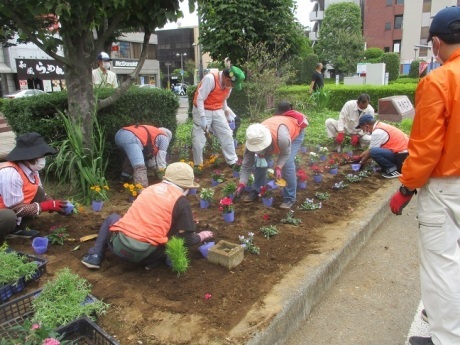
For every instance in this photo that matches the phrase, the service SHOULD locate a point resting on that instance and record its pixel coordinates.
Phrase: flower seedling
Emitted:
(301, 175)
(363, 174)
(313, 157)
(29, 333)
(226, 205)
(99, 193)
(177, 253)
(309, 205)
(339, 185)
(266, 216)
(58, 235)
(290, 219)
(229, 188)
(217, 175)
(323, 150)
(352, 178)
(14, 266)
(322, 196)
(269, 231)
(248, 244)
(133, 189)
(207, 194)
(316, 169)
(297, 161)
(237, 166)
(265, 192)
(198, 170)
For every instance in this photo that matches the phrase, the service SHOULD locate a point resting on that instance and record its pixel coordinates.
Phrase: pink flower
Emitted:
(207, 296)
(53, 228)
(51, 341)
(35, 326)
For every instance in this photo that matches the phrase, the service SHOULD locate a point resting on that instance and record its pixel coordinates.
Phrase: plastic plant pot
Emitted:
(229, 217)
(40, 245)
(192, 191)
(333, 171)
(267, 202)
(97, 205)
(317, 178)
(355, 167)
(214, 183)
(204, 248)
(302, 185)
(204, 203)
(272, 185)
(303, 149)
(236, 174)
(68, 209)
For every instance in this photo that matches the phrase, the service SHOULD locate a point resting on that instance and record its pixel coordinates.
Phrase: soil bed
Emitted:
(157, 306)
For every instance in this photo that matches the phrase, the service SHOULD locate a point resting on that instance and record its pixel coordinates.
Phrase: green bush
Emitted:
(391, 61)
(413, 70)
(373, 53)
(406, 80)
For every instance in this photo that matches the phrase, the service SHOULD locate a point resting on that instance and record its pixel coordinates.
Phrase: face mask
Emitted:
(39, 164)
(436, 55)
(106, 65)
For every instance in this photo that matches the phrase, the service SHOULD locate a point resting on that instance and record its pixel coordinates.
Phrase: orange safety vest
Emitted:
(29, 189)
(149, 218)
(273, 124)
(216, 97)
(141, 133)
(397, 139)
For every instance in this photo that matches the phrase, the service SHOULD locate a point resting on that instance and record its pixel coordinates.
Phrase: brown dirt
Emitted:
(157, 306)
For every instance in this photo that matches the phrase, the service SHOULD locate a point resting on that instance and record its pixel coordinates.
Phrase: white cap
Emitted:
(258, 137)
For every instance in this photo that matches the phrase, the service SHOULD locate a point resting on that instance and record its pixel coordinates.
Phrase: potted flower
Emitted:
(317, 173)
(133, 190)
(348, 150)
(267, 195)
(206, 196)
(323, 151)
(250, 183)
(333, 165)
(217, 177)
(230, 189)
(314, 157)
(236, 169)
(98, 195)
(227, 209)
(301, 178)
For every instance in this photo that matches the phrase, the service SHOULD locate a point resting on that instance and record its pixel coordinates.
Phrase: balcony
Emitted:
(317, 15)
(313, 36)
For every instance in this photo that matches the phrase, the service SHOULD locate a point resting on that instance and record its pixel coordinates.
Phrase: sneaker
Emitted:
(252, 196)
(424, 315)
(92, 261)
(392, 174)
(420, 341)
(23, 233)
(286, 205)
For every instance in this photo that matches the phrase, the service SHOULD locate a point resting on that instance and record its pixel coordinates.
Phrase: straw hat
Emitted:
(181, 174)
(258, 137)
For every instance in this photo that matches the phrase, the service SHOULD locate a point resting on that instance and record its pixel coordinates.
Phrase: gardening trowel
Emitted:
(208, 136)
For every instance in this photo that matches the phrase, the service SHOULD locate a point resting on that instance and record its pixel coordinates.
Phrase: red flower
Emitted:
(226, 205)
(207, 296)
(266, 216)
(226, 201)
(301, 175)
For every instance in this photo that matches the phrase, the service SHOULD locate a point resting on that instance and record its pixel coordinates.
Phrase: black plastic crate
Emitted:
(83, 331)
(14, 313)
(6, 291)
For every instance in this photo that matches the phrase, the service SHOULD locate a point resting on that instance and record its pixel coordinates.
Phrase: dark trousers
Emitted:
(104, 240)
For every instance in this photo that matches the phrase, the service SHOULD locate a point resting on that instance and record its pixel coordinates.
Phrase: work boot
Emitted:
(252, 196)
(140, 175)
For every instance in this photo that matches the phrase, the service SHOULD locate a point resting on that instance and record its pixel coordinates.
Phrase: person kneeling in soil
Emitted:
(388, 147)
(22, 196)
(145, 146)
(281, 135)
(160, 212)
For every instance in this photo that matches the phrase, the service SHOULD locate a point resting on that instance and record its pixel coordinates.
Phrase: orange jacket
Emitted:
(216, 97)
(274, 122)
(141, 133)
(433, 143)
(397, 140)
(29, 189)
(149, 218)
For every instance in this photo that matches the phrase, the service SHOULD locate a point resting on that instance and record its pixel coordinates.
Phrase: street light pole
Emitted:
(415, 53)
(182, 65)
(169, 80)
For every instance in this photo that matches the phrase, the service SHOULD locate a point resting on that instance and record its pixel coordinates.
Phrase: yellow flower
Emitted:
(134, 193)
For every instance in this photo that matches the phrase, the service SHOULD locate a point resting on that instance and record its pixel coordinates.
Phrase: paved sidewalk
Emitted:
(7, 143)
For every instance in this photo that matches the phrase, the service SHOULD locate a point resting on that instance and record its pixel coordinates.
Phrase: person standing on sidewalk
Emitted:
(211, 112)
(102, 76)
(433, 166)
(317, 79)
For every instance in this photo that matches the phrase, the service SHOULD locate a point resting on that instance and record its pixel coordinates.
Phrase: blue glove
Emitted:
(203, 123)
(232, 125)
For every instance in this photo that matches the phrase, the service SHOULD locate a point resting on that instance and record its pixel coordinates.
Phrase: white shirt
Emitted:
(349, 116)
(11, 184)
(378, 137)
(101, 79)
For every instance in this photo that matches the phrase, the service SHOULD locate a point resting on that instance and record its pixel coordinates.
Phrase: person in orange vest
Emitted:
(212, 114)
(282, 135)
(145, 147)
(160, 212)
(22, 196)
(388, 145)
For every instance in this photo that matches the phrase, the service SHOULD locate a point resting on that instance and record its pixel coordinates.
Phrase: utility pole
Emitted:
(167, 64)
(182, 65)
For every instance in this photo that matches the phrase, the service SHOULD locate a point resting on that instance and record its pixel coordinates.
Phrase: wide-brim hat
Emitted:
(181, 174)
(237, 77)
(258, 137)
(30, 146)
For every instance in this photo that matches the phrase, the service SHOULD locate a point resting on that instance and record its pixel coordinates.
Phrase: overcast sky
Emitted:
(303, 13)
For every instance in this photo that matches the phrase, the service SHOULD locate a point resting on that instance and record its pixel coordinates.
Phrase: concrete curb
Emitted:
(291, 301)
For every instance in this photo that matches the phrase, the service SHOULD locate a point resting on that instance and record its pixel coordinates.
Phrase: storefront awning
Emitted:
(4, 68)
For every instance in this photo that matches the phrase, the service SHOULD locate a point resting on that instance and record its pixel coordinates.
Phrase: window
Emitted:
(424, 32)
(399, 2)
(387, 26)
(386, 49)
(396, 46)
(426, 6)
(390, 2)
(398, 22)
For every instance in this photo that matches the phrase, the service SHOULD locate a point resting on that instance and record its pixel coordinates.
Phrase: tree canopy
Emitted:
(340, 40)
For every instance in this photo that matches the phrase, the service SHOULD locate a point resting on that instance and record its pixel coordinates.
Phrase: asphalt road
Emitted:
(375, 299)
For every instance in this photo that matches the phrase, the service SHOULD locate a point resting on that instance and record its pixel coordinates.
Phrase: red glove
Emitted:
(205, 235)
(339, 138)
(278, 175)
(400, 200)
(240, 189)
(355, 140)
(355, 159)
(53, 206)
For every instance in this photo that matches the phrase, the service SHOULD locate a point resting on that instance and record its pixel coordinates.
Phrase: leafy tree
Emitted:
(340, 40)
(373, 55)
(84, 28)
(231, 27)
(391, 61)
(414, 68)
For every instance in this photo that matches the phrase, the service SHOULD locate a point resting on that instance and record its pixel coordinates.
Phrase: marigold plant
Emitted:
(99, 193)
(133, 189)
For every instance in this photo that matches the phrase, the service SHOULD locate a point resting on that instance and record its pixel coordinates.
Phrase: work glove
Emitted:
(232, 125)
(355, 140)
(240, 189)
(355, 159)
(205, 235)
(53, 206)
(203, 123)
(400, 200)
(278, 175)
(339, 138)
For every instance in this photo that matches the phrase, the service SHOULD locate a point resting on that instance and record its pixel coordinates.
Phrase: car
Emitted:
(25, 93)
(147, 86)
(180, 89)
